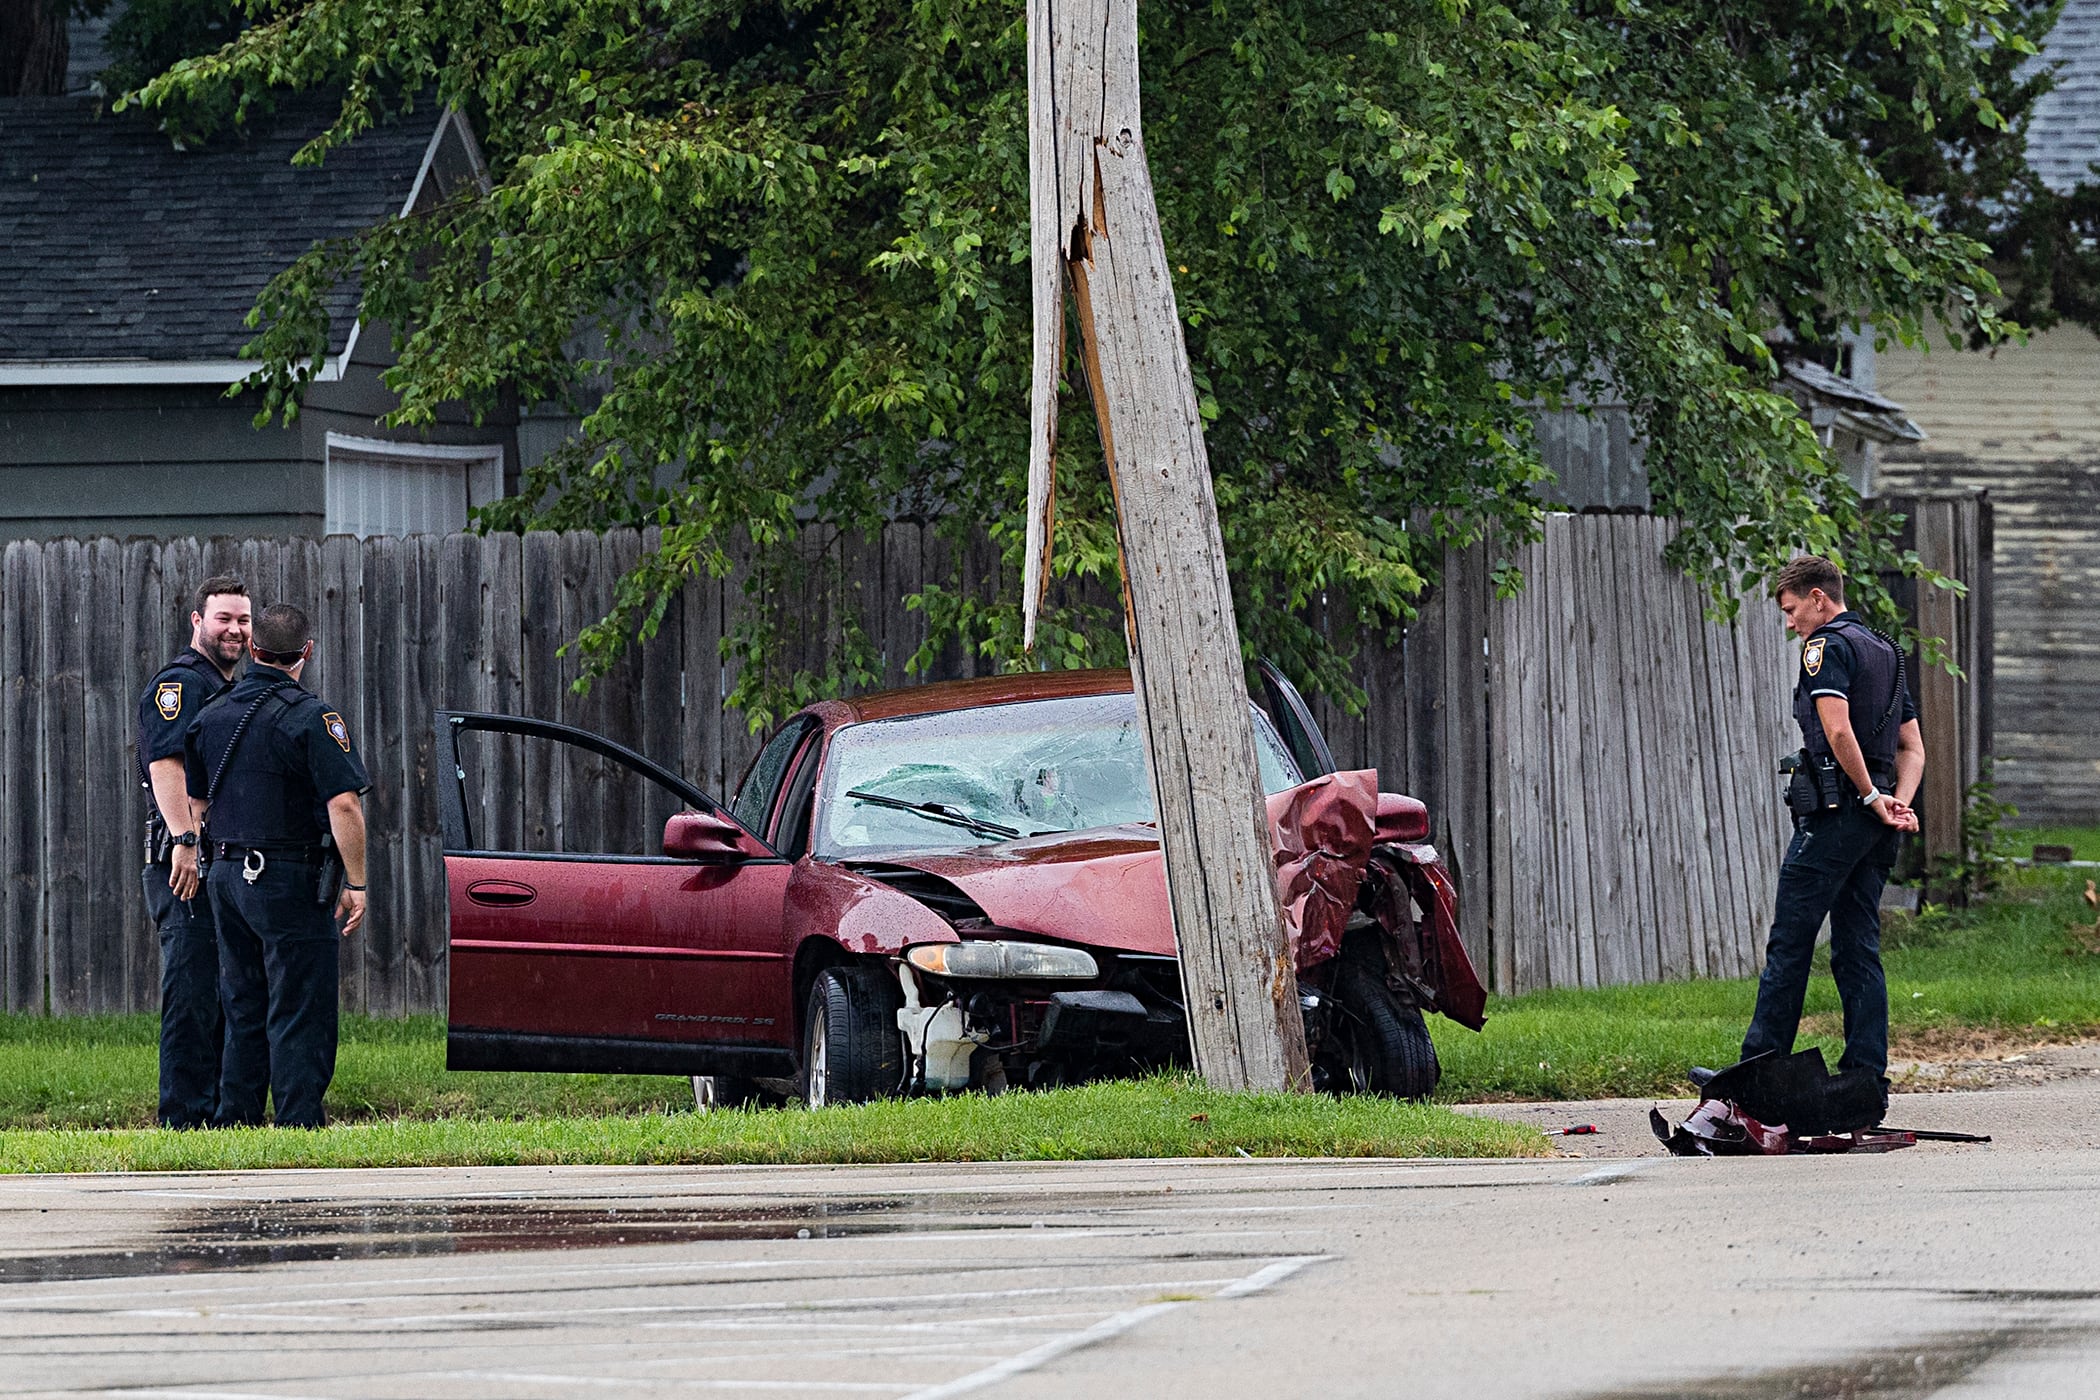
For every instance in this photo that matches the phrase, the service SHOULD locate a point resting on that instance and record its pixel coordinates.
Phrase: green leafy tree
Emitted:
(792, 238)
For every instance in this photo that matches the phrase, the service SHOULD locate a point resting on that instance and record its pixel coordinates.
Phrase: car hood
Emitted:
(1107, 887)
(1104, 888)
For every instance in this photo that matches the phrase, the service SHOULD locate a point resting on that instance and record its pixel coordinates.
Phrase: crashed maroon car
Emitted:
(941, 888)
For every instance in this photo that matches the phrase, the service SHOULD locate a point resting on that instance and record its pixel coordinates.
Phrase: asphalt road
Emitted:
(1942, 1270)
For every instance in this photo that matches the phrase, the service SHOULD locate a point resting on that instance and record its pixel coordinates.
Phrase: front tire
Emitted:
(851, 1049)
(1392, 1051)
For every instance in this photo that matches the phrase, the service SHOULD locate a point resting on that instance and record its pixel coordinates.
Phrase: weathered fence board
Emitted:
(1597, 755)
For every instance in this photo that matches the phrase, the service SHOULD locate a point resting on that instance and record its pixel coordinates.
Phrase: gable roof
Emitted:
(2063, 135)
(127, 259)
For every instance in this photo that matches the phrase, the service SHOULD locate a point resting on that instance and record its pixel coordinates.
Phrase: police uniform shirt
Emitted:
(181, 690)
(295, 755)
(1834, 662)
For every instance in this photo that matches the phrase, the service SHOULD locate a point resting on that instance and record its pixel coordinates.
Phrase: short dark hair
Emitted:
(1806, 571)
(281, 633)
(214, 587)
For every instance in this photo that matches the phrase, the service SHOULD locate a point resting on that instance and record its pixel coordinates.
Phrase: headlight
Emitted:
(1035, 962)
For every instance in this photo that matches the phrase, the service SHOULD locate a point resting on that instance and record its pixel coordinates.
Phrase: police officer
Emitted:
(189, 938)
(1861, 760)
(277, 782)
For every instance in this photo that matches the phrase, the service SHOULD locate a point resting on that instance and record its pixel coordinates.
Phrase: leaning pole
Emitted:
(1095, 230)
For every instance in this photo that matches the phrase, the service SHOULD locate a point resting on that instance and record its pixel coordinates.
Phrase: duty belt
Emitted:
(291, 852)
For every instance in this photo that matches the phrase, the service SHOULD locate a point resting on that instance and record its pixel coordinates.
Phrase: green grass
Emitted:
(2084, 841)
(2006, 967)
(101, 1072)
(75, 1093)
(1160, 1117)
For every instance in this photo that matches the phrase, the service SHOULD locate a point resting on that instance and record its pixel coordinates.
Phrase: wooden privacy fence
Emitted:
(1954, 533)
(1597, 757)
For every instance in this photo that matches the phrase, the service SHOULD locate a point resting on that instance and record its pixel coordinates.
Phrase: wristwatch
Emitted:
(187, 838)
(1873, 797)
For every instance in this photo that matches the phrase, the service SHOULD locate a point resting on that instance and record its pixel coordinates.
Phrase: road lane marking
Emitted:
(1109, 1327)
(253, 1314)
(1113, 1326)
(1269, 1275)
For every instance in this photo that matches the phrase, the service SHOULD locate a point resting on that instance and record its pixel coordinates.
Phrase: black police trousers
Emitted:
(191, 1029)
(1836, 866)
(277, 984)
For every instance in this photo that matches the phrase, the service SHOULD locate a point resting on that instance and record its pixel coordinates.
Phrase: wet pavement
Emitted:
(1957, 1271)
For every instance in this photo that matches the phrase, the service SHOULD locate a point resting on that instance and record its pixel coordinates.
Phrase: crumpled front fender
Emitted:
(862, 915)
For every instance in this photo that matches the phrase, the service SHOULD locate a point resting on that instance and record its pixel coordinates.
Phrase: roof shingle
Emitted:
(2063, 136)
(116, 246)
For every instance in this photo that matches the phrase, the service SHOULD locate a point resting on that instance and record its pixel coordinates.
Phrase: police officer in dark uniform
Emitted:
(1850, 790)
(190, 1026)
(273, 773)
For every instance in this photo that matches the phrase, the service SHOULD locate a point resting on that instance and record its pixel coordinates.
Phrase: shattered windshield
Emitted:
(972, 777)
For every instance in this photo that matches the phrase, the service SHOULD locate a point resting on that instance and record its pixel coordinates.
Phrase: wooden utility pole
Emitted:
(1095, 222)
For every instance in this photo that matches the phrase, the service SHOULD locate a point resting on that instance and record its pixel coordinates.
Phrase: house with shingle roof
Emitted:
(2023, 422)
(128, 267)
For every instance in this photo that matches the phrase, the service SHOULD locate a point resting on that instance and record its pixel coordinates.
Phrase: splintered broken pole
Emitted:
(1095, 223)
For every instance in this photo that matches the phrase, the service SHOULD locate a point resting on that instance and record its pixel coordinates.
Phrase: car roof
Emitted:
(945, 696)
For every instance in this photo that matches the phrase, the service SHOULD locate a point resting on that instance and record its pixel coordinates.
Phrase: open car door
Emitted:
(577, 940)
(1294, 720)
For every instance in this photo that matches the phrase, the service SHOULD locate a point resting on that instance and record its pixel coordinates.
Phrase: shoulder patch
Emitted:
(167, 698)
(337, 730)
(1812, 655)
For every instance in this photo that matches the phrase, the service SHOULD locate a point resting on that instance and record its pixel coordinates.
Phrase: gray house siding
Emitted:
(168, 460)
(149, 460)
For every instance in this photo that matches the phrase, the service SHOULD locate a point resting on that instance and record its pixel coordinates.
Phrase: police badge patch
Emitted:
(337, 730)
(1812, 655)
(168, 699)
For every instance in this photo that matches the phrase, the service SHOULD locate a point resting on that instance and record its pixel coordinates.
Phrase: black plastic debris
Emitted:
(1770, 1105)
(1801, 1092)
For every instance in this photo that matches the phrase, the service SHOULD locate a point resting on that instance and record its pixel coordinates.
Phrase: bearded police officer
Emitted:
(189, 940)
(1850, 790)
(274, 775)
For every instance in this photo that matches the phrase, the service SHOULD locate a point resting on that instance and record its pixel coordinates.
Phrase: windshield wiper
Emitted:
(934, 811)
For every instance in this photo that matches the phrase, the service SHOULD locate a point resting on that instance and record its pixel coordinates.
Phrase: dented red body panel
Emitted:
(860, 915)
(1104, 888)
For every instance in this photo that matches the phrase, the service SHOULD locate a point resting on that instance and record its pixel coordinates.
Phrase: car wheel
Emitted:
(851, 1048)
(1389, 1049)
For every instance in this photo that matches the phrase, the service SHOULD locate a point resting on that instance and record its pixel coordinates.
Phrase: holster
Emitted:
(159, 844)
(328, 880)
(1805, 787)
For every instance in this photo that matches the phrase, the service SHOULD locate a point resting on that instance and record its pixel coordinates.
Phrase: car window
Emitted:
(791, 831)
(531, 794)
(754, 798)
(984, 775)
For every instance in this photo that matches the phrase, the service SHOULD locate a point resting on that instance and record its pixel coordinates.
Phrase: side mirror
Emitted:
(1401, 818)
(703, 836)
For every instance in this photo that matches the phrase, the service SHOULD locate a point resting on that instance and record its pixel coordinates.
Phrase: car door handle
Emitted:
(504, 894)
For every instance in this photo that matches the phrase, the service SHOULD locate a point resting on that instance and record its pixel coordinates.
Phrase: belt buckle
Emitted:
(252, 864)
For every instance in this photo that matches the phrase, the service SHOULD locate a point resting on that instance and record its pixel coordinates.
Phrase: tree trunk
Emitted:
(33, 48)
(1094, 214)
